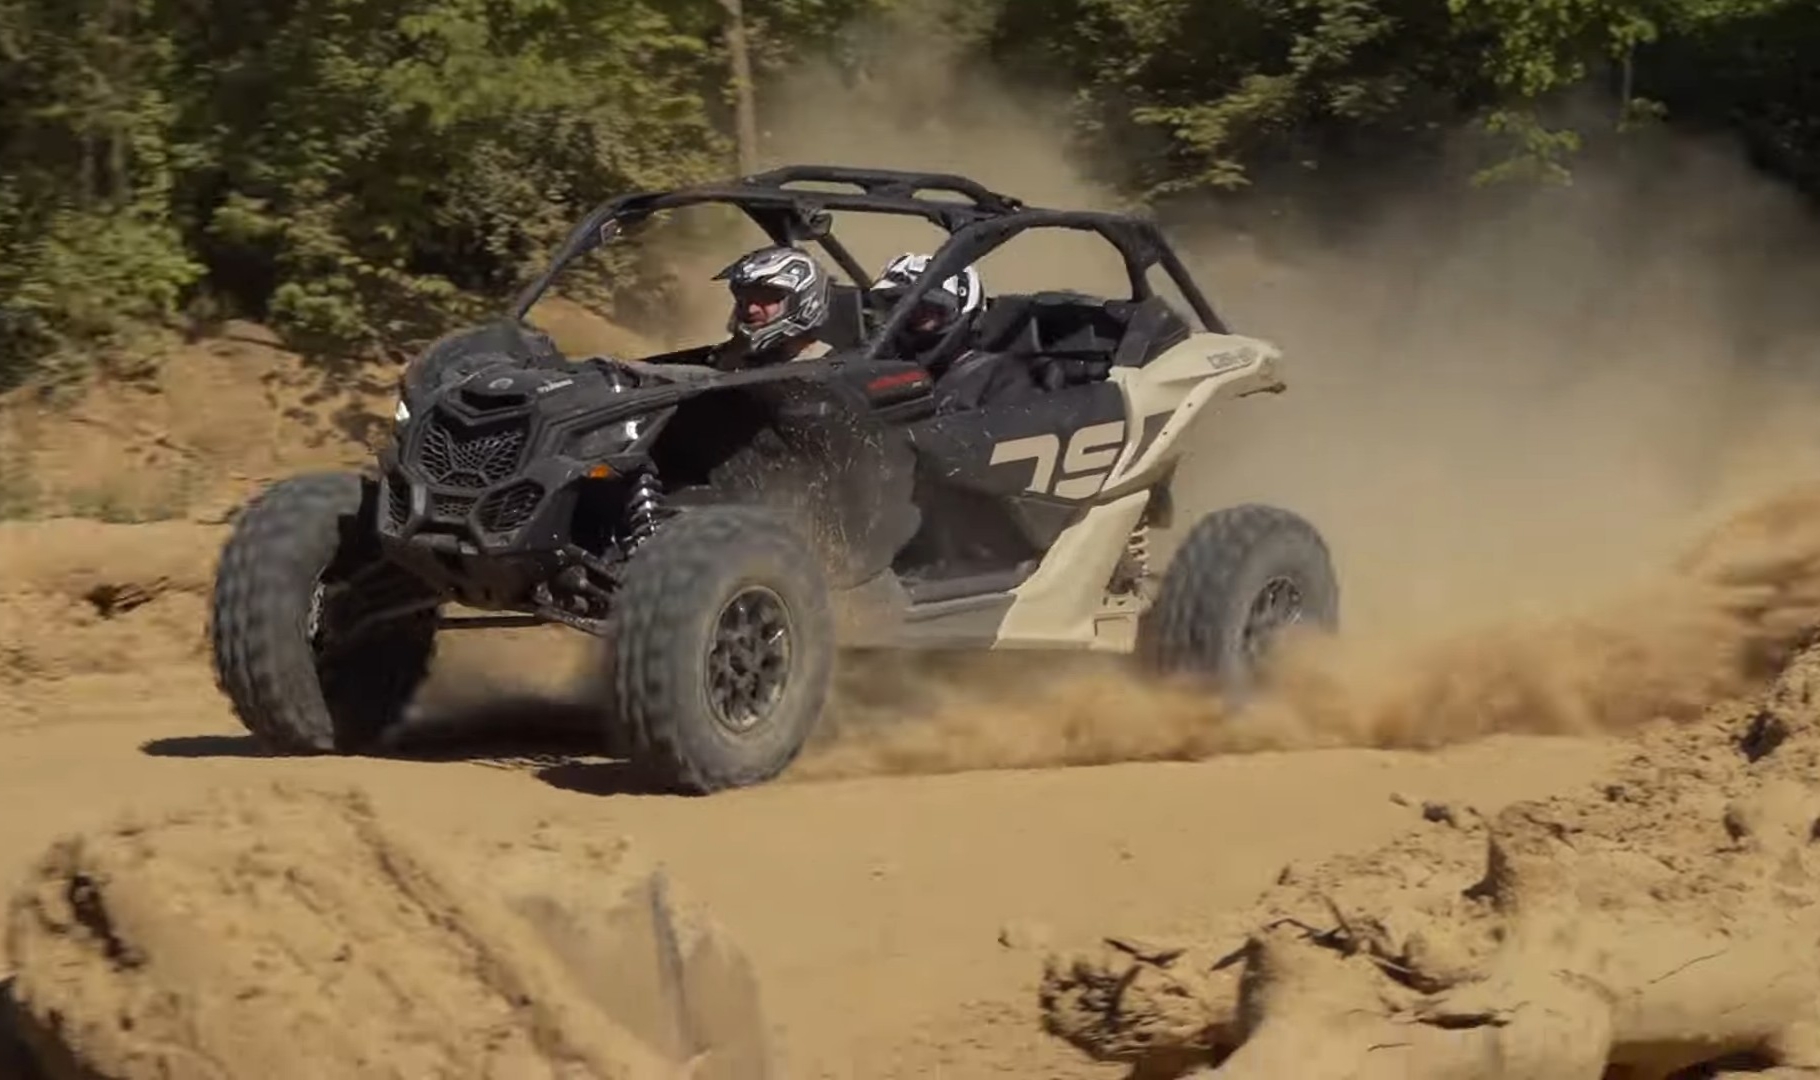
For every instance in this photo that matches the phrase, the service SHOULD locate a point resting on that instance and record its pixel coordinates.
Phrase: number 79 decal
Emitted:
(1090, 455)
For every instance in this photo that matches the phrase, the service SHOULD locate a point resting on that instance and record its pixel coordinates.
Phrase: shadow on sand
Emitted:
(558, 741)
(16, 1057)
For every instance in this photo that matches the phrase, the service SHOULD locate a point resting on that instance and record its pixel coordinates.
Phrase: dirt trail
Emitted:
(871, 908)
(897, 923)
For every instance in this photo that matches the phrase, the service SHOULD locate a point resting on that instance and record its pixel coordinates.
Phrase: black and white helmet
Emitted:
(959, 295)
(800, 279)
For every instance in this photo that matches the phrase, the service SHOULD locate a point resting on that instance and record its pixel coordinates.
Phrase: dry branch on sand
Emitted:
(1662, 925)
(288, 933)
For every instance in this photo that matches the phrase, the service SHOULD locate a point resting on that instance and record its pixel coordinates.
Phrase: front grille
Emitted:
(398, 500)
(472, 458)
(451, 507)
(508, 508)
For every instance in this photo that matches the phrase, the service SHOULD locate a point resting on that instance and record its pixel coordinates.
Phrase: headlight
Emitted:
(606, 440)
(402, 412)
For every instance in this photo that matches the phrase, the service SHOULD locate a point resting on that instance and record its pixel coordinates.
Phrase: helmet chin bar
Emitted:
(766, 335)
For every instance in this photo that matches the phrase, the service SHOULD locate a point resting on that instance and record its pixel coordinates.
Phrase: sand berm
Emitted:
(1659, 923)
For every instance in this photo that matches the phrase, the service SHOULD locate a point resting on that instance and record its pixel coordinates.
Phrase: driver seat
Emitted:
(845, 327)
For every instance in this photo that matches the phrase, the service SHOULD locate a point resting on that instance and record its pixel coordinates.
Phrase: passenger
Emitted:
(957, 299)
(965, 377)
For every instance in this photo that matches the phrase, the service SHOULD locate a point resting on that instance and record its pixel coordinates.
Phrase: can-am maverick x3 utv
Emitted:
(725, 533)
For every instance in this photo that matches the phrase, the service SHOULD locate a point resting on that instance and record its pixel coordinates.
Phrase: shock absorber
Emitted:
(642, 508)
(1133, 568)
(1137, 548)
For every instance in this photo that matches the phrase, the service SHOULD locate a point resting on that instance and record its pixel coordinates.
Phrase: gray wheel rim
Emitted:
(312, 619)
(749, 654)
(1277, 606)
(320, 627)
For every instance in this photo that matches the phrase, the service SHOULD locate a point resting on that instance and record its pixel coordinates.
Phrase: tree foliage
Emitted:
(1225, 91)
(1235, 85)
(359, 172)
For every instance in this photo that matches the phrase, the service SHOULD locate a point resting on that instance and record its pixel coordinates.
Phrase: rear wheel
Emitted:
(295, 649)
(723, 649)
(1242, 577)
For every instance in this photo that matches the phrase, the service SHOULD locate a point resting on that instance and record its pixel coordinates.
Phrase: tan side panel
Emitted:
(1179, 385)
(1056, 608)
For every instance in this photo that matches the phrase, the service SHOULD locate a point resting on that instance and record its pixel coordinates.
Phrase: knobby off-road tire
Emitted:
(1232, 570)
(677, 639)
(300, 535)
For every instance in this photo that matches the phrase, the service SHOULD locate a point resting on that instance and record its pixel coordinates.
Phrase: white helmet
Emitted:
(957, 296)
(803, 282)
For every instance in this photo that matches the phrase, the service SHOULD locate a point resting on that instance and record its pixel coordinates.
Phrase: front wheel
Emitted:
(295, 648)
(723, 649)
(1242, 577)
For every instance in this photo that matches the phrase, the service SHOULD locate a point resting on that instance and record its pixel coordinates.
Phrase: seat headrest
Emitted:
(1005, 320)
(846, 325)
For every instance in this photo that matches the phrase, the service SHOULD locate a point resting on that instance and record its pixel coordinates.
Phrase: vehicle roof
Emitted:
(976, 218)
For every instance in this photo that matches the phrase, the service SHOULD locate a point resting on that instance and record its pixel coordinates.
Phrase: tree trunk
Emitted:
(745, 110)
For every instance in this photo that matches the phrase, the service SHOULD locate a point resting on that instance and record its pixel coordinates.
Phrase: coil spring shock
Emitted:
(642, 508)
(1137, 547)
(1134, 565)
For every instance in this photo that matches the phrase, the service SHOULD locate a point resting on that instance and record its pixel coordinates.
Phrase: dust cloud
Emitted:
(1509, 413)
(1713, 625)
(1520, 408)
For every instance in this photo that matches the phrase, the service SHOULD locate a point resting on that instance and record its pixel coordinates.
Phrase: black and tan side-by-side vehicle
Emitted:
(724, 534)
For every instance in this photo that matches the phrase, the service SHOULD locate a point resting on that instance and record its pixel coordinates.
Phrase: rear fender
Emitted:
(1168, 397)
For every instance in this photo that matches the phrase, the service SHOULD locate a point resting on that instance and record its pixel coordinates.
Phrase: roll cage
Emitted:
(977, 222)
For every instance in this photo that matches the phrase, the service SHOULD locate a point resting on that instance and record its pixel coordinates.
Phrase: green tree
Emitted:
(1248, 84)
(89, 243)
(391, 161)
(1216, 94)
(358, 172)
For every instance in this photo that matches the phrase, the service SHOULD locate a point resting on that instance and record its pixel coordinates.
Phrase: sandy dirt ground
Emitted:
(1658, 923)
(873, 908)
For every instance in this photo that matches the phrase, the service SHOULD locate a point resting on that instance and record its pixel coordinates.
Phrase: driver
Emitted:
(780, 303)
